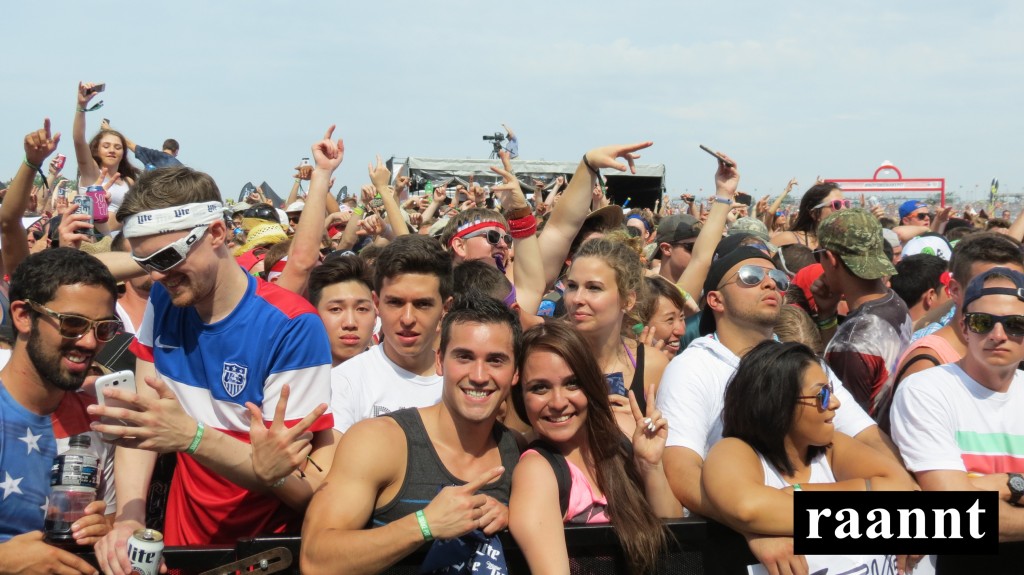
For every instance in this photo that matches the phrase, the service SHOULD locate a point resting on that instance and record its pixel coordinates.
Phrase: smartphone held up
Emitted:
(718, 156)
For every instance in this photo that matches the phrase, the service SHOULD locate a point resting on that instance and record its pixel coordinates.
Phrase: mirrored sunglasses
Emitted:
(982, 323)
(823, 397)
(751, 275)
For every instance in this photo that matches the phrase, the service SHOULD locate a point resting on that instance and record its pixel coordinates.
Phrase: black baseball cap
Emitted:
(724, 261)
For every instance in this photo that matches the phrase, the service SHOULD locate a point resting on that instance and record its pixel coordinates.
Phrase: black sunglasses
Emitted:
(751, 275)
(72, 326)
(688, 246)
(493, 237)
(983, 323)
(824, 396)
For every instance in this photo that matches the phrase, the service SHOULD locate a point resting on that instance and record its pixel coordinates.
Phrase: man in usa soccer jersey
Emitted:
(233, 375)
(62, 309)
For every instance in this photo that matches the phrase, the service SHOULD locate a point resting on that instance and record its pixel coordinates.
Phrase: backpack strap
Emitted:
(561, 469)
(913, 360)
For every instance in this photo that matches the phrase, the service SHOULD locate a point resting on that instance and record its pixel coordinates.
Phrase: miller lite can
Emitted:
(145, 548)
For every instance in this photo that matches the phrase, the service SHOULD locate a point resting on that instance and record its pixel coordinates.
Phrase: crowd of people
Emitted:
(396, 371)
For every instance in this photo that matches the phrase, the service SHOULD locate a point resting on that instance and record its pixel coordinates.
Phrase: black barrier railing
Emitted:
(698, 547)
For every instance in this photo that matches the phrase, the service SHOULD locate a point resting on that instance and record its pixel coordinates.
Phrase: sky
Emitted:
(789, 89)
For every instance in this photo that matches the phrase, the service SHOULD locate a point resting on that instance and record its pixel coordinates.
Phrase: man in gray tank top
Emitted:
(401, 480)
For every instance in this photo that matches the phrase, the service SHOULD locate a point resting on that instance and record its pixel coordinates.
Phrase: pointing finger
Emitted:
(299, 428)
(483, 479)
(330, 132)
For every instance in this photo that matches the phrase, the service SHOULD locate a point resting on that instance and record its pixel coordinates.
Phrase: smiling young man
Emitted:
(210, 391)
(62, 307)
(412, 288)
(437, 472)
(959, 426)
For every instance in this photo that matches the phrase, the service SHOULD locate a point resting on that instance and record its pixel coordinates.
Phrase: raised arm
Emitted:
(570, 211)
(726, 180)
(87, 167)
(778, 201)
(528, 271)
(380, 176)
(38, 146)
(303, 255)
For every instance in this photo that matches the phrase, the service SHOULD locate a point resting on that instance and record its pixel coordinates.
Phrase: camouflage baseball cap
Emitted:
(856, 237)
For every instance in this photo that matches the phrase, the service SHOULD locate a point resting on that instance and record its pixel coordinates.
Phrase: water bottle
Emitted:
(73, 480)
(99, 203)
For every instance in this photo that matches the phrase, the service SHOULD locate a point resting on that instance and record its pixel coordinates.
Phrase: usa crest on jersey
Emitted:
(233, 378)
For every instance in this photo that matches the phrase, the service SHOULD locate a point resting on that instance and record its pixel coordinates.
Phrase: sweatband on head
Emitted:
(470, 227)
(173, 219)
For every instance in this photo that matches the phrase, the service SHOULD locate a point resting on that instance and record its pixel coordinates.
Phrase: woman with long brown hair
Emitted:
(582, 470)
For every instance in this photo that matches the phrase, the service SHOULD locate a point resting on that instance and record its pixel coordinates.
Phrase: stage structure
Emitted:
(898, 184)
(644, 188)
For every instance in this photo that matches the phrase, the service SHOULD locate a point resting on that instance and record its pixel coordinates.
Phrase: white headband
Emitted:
(172, 219)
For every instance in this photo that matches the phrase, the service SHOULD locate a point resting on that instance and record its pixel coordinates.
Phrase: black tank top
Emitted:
(425, 474)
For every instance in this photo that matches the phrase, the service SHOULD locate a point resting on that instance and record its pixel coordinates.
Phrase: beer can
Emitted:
(145, 548)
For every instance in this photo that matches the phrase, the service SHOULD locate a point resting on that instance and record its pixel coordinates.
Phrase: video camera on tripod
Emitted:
(495, 141)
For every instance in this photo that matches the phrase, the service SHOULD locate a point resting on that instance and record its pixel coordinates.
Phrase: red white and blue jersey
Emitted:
(28, 444)
(273, 337)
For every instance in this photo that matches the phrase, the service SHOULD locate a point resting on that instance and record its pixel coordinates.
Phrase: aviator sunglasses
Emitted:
(982, 323)
(824, 396)
(72, 326)
(751, 275)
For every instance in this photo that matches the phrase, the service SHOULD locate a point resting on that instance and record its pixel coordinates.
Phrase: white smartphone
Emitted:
(118, 380)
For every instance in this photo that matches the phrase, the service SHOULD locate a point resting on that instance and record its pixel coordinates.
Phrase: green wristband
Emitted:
(195, 440)
(424, 528)
(796, 487)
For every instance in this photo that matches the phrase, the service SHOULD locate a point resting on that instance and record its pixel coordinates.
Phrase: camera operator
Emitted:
(513, 143)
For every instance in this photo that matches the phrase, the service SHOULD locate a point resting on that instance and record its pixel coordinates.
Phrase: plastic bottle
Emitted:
(73, 480)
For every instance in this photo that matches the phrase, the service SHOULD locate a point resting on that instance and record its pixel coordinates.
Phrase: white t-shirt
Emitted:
(943, 419)
(370, 384)
(126, 319)
(692, 395)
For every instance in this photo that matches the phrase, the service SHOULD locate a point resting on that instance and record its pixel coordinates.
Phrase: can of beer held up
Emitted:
(145, 548)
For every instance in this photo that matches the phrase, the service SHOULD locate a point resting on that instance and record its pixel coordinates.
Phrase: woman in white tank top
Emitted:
(779, 437)
(107, 149)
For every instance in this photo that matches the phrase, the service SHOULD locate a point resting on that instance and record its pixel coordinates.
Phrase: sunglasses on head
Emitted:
(834, 204)
(72, 326)
(172, 255)
(493, 236)
(751, 275)
(982, 323)
(824, 396)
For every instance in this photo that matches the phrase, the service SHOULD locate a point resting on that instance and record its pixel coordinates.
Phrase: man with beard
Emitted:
(62, 307)
(742, 298)
(219, 352)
